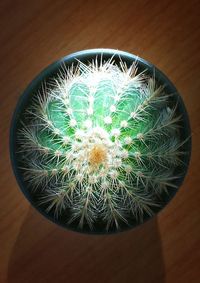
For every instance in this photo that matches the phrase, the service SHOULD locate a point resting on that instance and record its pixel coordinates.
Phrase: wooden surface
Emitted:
(36, 33)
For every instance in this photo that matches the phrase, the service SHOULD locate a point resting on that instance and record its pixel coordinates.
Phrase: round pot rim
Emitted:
(46, 73)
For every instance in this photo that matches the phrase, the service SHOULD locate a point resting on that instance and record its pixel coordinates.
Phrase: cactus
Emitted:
(101, 144)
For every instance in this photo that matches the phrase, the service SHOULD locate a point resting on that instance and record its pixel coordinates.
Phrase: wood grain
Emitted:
(36, 33)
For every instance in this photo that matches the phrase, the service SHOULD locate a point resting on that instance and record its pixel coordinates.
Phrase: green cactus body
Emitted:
(101, 143)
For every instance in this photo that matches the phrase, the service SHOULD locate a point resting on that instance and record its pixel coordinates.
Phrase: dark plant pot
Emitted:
(85, 56)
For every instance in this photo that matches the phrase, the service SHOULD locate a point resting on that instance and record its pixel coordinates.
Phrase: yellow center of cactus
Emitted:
(98, 155)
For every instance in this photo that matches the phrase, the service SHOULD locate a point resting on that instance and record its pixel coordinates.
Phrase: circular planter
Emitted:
(20, 118)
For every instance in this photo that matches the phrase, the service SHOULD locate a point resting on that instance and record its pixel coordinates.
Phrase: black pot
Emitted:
(85, 56)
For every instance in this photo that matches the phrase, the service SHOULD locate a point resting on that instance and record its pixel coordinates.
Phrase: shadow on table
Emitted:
(44, 252)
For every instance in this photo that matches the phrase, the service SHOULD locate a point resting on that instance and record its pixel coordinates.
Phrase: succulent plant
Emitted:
(101, 144)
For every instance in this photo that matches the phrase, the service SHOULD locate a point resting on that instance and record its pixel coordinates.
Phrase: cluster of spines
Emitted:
(138, 130)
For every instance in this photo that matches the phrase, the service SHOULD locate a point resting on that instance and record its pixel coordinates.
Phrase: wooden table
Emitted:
(35, 33)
